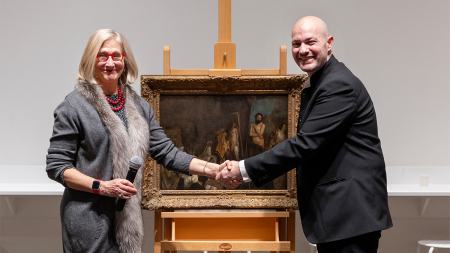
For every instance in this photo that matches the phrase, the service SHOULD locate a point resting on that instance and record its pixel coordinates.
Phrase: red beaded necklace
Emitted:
(120, 99)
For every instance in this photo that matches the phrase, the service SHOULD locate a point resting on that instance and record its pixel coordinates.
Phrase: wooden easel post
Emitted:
(224, 50)
(158, 230)
(166, 61)
(291, 230)
(283, 60)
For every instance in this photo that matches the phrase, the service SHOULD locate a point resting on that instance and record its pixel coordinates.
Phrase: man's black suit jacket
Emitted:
(341, 175)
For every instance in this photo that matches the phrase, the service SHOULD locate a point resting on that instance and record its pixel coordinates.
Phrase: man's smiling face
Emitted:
(311, 45)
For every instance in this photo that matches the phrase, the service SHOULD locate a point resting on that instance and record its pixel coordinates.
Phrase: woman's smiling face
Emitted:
(109, 71)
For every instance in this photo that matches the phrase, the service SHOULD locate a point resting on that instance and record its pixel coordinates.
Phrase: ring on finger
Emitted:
(121, 193)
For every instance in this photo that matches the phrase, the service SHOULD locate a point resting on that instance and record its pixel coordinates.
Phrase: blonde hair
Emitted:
(86, 71)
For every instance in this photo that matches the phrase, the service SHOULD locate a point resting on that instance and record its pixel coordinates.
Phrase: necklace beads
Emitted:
(119, 100)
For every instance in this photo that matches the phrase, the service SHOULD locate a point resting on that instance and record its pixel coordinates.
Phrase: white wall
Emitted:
(399, 49)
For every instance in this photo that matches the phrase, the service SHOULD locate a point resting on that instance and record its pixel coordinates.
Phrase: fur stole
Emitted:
(123, 145)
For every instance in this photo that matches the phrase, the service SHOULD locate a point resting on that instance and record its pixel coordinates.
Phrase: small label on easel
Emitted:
(225, 246)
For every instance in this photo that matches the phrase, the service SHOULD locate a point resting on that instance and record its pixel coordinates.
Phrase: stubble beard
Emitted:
(312, 67)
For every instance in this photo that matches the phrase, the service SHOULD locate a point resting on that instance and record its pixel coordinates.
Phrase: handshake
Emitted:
(231, 176)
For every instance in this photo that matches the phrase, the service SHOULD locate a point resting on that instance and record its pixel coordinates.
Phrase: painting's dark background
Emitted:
(200, 116)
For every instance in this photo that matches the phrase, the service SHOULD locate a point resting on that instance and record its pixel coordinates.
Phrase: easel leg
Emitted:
(291, 229)
(158, 234)
(167, 224)
(282, 222)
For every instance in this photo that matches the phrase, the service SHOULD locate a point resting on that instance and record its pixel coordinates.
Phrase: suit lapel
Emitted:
(309, 94)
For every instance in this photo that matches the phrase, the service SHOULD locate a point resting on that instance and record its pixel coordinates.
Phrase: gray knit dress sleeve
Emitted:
(63, 143)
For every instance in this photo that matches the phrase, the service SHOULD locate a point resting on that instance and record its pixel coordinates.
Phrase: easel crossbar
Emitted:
(226, 245)
(223, 214)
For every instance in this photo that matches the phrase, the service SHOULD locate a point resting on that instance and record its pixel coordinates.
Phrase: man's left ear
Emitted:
(330, 41)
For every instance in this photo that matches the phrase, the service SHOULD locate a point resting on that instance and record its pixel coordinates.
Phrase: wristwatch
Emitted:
(96, 186)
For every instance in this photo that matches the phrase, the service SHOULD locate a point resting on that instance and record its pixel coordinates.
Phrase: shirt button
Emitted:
(300, 198)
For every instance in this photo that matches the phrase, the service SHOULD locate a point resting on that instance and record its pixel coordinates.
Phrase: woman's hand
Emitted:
(212, 169)
(120, 188)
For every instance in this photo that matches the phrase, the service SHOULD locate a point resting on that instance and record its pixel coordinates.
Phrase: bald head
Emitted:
(311, 44)
(313, 24)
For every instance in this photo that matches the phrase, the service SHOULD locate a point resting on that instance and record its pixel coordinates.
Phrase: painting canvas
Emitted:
(219, 128)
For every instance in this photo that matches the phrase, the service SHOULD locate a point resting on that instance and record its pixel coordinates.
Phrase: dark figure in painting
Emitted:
(200, 185)
(234, 141)
(257, 131)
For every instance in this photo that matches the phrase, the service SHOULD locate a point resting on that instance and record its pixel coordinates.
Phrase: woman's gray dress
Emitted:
(84, 137)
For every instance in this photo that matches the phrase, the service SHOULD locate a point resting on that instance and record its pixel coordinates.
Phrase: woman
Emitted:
(97, 129)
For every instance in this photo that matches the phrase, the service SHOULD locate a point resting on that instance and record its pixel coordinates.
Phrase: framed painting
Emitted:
(218, 119)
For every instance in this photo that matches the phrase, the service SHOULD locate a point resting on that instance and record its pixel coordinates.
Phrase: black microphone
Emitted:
(135, 164)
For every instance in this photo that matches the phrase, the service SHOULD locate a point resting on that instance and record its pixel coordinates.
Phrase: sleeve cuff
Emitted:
(244, 173)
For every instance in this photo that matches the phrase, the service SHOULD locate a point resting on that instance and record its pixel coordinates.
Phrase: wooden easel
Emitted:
(222, 230)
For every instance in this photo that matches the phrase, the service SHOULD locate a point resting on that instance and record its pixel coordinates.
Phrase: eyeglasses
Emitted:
(116, 56)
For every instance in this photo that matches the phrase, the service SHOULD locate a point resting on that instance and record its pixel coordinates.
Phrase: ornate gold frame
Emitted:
(153, 86)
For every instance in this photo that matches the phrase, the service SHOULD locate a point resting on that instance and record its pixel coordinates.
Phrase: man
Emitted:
(341, 176)
(222, 144)
(257, 130)
(278, 136)
(206, 155)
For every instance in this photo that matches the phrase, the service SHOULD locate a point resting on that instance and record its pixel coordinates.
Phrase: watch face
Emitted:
(96, 185)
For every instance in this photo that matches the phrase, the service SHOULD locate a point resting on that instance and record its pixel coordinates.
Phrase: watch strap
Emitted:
(96, 186)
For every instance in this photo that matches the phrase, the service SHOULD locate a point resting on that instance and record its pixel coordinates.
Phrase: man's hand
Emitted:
(231, 177)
